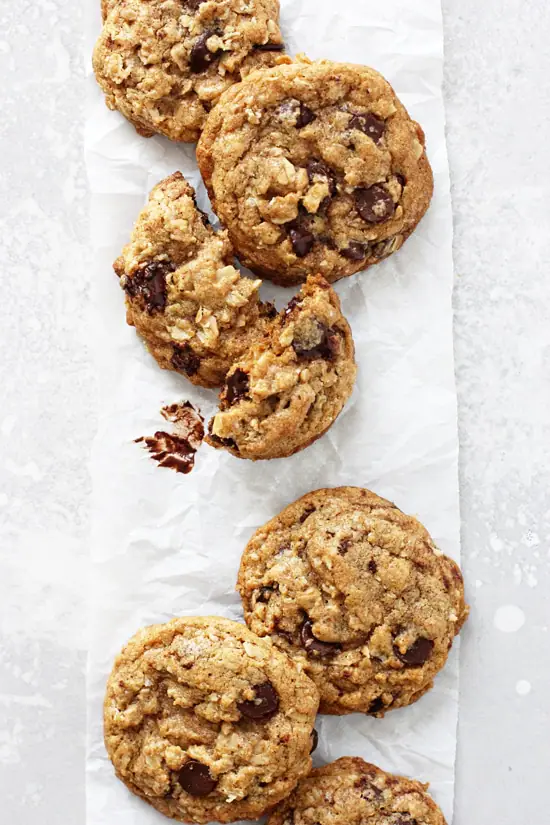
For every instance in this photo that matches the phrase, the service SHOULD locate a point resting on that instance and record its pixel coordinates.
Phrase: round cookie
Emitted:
(195, 311)
(358, 594)
(315, 168)
(206, 722)
(289, 388)
(164, 63)
(351, 791)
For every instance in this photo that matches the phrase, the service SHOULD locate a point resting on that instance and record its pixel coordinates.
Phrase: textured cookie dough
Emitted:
(206, 722)
(195, 311)
(164, 63)
(358, 594)
(289, 388)
(315, 168)
(353, 792)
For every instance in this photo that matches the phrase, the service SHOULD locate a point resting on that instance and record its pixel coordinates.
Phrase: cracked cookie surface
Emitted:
(164, 63)
(195, 311)
(315, 168)
(289, 388)
(206, 722)
(351, 791)
(358, 594)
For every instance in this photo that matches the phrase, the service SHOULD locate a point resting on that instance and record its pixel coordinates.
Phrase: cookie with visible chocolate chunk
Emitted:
(358, 594)
(195, 311)
(351, 791)
(163, 64)
(207, 722)
(289, 388)
(315, 168)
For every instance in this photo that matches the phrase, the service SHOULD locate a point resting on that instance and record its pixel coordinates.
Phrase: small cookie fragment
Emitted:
(315, 167)
(289, 388)
(351, 791)
(163, 64)
(194, 310)
(358, 594)
(206, 722)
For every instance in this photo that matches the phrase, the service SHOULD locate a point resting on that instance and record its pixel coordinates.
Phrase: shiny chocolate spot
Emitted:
(305, 116)
(302, 241)
(149, 284)
(375, 204)
(369, 125)
(201, 56)
(314, 646)
(314, 740)
(264, 706)
(237, 386)
(196, 779)
(185, 360)
(177, 451)
(355, 251)
(417, 654)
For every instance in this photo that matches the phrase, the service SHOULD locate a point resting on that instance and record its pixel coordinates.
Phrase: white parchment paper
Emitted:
(167, 545)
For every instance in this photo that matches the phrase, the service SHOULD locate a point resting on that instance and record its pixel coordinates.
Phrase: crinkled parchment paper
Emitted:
(166, 544)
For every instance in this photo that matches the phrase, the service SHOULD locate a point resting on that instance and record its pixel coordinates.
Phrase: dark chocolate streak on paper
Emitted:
(177, 451)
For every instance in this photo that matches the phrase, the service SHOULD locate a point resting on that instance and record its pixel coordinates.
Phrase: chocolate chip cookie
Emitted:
(315, 168)
(358, 594)
(164, 63)
(353, 792)
(288, 389)
(195, 311)
(206, 722)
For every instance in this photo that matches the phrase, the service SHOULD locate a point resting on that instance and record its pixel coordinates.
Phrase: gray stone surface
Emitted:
(498, 108)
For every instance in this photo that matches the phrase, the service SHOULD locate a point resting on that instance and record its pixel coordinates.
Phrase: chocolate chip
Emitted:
(326, 348)
(269, 310)
(196, 779)
(418, 653)
(237, 386)
(149, 283)
(302, 241)
(193, 5)
(201, 56)
(315, 646)
(355, 251)
(185, 360)
(373, 567)
(370, 125)
(309, 510)
(404, 819)
(375, 204)
(368, 789)
(264, 594)
(402, 180)
(376, 705)
(317, 168)
(314, 740)
(343, 546)
(305, 116)
(269, 47)
(264, 706)
(225, 442)
(294, 302)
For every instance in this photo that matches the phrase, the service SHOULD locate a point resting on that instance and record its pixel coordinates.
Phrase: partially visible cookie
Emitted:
(288, 389)
(206, 722)
(195, 311)
(351, 791)
(358, 594)
(164, 63)
(315, 168)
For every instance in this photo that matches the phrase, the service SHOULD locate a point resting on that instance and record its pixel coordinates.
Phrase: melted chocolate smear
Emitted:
(177, 451)
(201, 56)
(327, 347)
(306, 514)
(369, 125)
(184, 360)
(314, 646)
(237, 386)
(149, 283)
(302, 241)
(376, 705)
(368, 789)
(305, 116)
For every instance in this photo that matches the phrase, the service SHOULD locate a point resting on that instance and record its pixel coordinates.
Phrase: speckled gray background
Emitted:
(498, 108)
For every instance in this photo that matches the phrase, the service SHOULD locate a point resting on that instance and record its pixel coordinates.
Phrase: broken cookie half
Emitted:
(289, 388)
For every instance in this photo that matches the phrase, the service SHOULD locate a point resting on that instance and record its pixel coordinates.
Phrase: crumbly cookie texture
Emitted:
(353, 792)
(164, 63)
(358, 594)
(289, 388)
(195, 311)
(206, 722)
(315, 168)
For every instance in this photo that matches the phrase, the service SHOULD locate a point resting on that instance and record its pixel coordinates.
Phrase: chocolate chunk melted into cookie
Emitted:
(265, 593)
(370, 125)
(193, 5)
(417, 654)
(344, 546)
(237, 386)
(314, 740)
(292, 304)
(325, 346)
(305, 116)
(177, 451)
(185, 360)
(375, 204)
(319, 169)
(355, 251)
(264, 706)
(196, 779)
(376, 705)
(201, 56)
(270, 47)
(315, 646)
(368, 789)
(302, 241)
(149, 283)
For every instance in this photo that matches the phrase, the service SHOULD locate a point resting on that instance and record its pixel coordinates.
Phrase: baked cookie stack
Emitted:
(316, 172)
